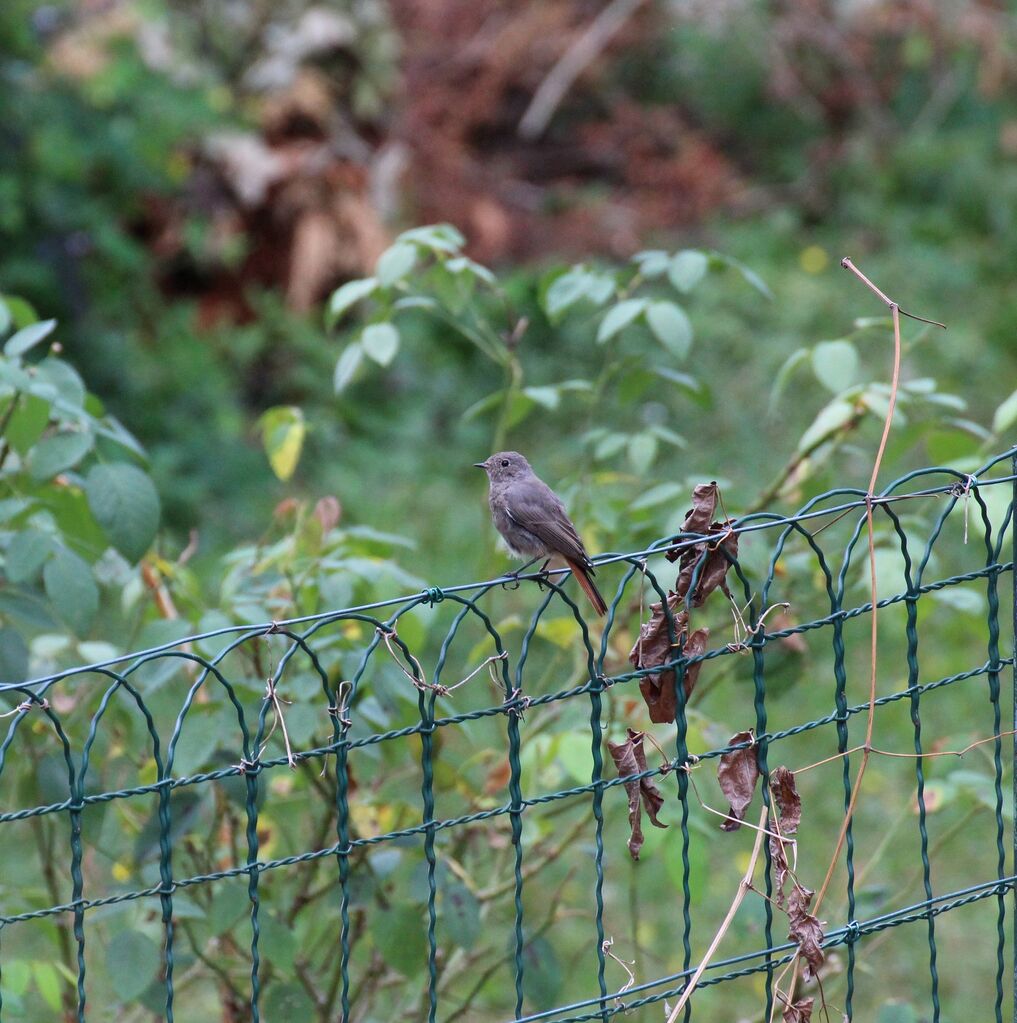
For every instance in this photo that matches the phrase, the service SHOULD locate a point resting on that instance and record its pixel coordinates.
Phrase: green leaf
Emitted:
(13, 657)
(542, 976)
(791, 363)
(27, 422)
(28, 337)
(600, 288)
(642, 450)
(15, 377)
(671, 327)
(687, 269)
(610, 445)
(112, 429)
(395, 263)
(61, 451)
(132, 960)
(63, 378)
(71, 589)
(658, 495)
(26, 553)
(460, 912)
(17, 974)
(288, 1002)
(565, 291)
(347, 364)
(416, 302)
(684, 381)
(828, 421)
(1006, 415)
(652, 262)
(380, 342)
(282, 433)
(485, 405)
(47, 982)
(668, 436)
(22, 312)
(125, 503)
(559, 631)
(835, 364)
(896, 1011)
(347, 296)
(398, 935)
(547, 397)
(574, 754)
(439, 237)
(5, 317)
(748, 275)
(462, 264)
(520, 406)
(619, 317)
(278, 942)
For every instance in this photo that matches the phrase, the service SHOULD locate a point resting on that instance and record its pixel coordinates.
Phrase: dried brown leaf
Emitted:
(700, 515)
(789, 803)
(654, 647)
(737, 774)
(789, 816)
(629, 758)
(796, 1012)
(709, 553)
(805, 930)
(715, 565)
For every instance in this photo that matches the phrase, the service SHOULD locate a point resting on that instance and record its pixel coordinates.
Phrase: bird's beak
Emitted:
(480, 465)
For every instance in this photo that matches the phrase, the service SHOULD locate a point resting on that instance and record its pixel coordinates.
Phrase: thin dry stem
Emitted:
(895, 312)
(909, 756)
(606, 949)
(745, 824)
(744, 886)
(278, 719)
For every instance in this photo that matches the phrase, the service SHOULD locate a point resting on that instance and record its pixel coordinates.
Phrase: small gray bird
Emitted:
(533, 521)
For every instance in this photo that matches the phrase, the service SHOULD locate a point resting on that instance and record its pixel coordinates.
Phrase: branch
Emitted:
(583, 52)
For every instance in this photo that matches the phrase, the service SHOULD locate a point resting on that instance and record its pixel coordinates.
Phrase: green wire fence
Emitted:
(65, 718)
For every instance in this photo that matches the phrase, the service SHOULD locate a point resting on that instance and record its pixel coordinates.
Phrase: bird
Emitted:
(533, 521)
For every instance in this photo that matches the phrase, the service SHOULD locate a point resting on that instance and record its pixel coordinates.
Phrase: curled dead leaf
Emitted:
(654, 648)
(789, 816)
(789, 803)
(712, 557)
(629, 758)
(796, 1012)
(737, 774)
(805, 930)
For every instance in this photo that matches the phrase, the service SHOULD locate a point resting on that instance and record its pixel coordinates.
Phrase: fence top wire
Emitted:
(831, 507)
(962, 483)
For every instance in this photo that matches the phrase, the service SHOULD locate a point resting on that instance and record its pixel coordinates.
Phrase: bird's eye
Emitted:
(504, 462)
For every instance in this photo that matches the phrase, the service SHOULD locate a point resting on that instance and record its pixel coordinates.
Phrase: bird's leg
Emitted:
(542, 573)
(514, 576)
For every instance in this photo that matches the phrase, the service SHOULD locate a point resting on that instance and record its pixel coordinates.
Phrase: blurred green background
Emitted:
(638, 287)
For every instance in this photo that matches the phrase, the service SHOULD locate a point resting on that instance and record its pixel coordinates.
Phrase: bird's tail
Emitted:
(582, 574)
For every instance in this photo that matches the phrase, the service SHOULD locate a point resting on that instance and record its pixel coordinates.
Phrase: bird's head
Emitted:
(505, 465)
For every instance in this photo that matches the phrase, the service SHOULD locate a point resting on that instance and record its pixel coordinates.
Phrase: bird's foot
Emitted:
(541, 575)
(512, 580)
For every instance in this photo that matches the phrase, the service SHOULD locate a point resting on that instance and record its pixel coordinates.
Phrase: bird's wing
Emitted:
(535, 506)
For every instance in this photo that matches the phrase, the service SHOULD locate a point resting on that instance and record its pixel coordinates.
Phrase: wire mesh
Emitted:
(65, 718)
